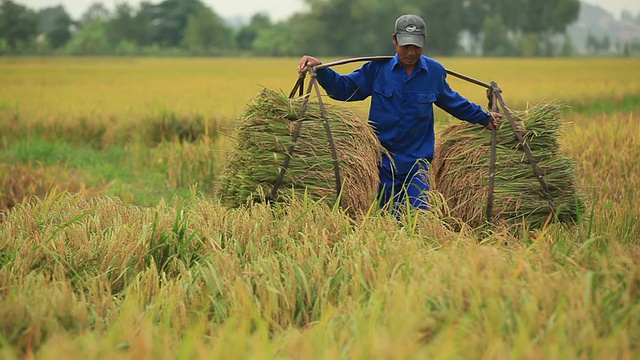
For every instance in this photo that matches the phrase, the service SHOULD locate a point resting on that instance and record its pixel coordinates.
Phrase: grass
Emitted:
(135, 173)
(119, 250)
(625, 103)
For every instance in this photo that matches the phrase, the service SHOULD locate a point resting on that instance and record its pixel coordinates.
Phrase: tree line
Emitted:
(328, 28)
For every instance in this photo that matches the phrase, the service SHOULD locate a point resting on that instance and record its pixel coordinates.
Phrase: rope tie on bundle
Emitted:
(299, 87)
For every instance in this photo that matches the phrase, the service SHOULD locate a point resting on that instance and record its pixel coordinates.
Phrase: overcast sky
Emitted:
(277, 9)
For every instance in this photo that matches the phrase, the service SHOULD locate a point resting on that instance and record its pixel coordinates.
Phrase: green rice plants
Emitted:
(178, 244)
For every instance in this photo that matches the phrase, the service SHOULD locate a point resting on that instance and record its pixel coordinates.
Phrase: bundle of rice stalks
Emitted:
(263, 135)
(461, 171)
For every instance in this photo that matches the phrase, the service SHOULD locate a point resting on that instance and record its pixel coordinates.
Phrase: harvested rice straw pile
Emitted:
(263, 135)
(461, 171)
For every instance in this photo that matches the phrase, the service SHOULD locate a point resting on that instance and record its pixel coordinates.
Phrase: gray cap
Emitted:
(410, 30)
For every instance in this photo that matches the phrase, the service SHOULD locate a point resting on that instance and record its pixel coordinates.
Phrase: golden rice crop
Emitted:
(461, 171)
(264, 135)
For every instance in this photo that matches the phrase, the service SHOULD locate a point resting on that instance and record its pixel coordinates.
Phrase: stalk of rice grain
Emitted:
(263, 135)
(461, 171)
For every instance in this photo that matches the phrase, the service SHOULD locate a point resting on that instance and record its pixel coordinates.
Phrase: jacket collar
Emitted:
(395, 62)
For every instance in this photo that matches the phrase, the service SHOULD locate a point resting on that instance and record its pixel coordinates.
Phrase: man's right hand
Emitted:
(307, 62)
(494, 122)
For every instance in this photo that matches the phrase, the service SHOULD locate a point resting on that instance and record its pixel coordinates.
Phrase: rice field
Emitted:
(114, 245)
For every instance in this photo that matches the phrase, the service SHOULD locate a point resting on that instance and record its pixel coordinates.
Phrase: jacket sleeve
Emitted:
(351, 87)
(460, 107)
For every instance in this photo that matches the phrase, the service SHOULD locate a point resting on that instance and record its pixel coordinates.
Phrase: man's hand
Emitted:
(307, 62)
(494, 122)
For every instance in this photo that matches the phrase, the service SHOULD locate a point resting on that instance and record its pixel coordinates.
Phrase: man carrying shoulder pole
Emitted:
(403, 91)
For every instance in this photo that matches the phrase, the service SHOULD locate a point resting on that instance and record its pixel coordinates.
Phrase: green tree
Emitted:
(47, 17)
(352, 27)
(247, 34)
(605, 44)
(127, 47)
(18, 25)
(170, 19)
(145, 32)
(474, 14)
(276, 40)
(331, 26)
(495, 39)
(60, 33)
(444, 22)
(372, 24)
(90, 40)
(95, 12)
(592, 43)
(596, 46)
(529, 45)
(359, 27)
(567, 46)
(300, 35)
(121, 27)
(206, 33)
(546, 19)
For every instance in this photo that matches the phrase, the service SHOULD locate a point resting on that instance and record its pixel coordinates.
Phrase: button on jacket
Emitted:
(401, 110)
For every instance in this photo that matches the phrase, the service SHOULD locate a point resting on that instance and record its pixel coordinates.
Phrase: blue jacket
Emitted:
(401, 110)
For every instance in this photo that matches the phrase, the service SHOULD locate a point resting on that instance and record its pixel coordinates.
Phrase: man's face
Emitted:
(408, 54)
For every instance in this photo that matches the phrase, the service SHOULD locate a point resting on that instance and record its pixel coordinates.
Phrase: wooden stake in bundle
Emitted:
(461, 170)
(263, 135)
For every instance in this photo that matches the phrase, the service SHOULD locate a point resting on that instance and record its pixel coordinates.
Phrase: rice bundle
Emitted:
(461, 171)
(264, 135)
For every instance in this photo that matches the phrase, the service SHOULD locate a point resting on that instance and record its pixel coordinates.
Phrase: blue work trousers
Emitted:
(400, 191)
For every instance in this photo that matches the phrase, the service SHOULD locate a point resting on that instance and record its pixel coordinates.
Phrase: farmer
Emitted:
(403, 91)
